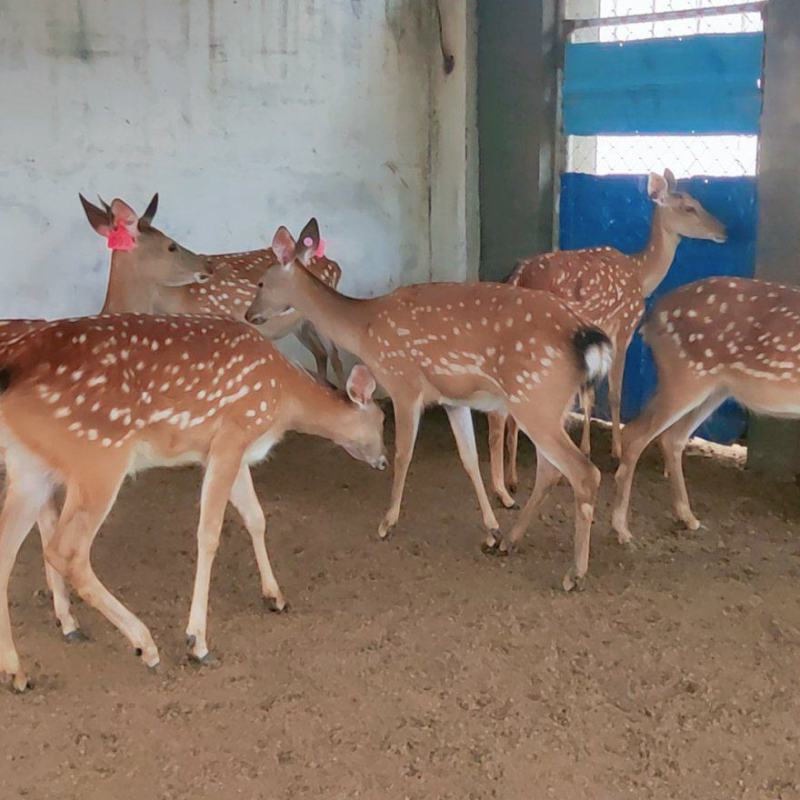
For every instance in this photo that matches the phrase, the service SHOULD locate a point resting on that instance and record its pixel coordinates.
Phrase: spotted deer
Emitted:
(712, 339)
(86, 402)
(608, 289)
(481, 346)
(154, 274)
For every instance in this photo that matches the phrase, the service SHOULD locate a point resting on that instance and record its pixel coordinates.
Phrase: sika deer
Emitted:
(607, 288)
(152, 275)
(485, 346)
(87, 401)
(712, 339)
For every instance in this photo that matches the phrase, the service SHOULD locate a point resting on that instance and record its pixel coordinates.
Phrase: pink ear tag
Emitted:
(320, 251)
(120, 239)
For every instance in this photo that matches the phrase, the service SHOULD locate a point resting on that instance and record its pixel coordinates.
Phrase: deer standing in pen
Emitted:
(485, 346)
(608, 289)
(85, 402)
(712, 339)
(152, 273)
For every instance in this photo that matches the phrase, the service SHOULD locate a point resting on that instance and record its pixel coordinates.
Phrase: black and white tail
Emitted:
(595, 353)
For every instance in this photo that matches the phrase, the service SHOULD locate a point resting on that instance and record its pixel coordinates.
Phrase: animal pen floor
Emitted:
(418, 667)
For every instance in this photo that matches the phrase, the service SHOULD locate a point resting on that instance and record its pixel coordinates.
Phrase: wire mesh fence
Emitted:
(685, 155)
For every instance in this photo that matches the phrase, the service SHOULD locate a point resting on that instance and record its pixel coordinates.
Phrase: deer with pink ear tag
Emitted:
(143, 259)
(484, 346)
(151, 273)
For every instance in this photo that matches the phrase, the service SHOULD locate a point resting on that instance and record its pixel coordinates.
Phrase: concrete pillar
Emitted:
(774, 445)
(518, 54)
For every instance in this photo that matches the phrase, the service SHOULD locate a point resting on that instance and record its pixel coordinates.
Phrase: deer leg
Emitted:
(461, 422)
(512, 443)
(673, 442)
(615, 400)
(27, 492)
(218, 481)
(406, 424)
(85, 508)
(553, 444)
(47, 521)
(336, 363)
(245, 501)
(309, 337)
(497, 427)
(668, 405)
(587, 403)
(547, 476)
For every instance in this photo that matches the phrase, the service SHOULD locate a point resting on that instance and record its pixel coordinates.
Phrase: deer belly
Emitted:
(477, 401)
(259, 450)
(769, 398)
(147, 456)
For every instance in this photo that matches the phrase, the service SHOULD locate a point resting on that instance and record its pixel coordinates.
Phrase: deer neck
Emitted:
(127, 291)
(339, 318)
(656, 259)
(320, 411)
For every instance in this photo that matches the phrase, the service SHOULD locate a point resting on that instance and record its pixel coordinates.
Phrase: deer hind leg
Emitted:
(245, 501)
(464, 433)
(28, 490)
(554, 445)
(310, 338)
(497, 427)
(547, 476)
(85, 508)
(406, 425)
(670, 404)
(673, 442)
(47, 521)
(587, 403)
(512, 443)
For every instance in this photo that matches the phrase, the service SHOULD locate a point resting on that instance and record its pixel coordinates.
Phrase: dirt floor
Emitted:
(418, 667)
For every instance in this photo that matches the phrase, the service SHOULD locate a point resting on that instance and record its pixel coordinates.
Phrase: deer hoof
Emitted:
(275, 605)
(76, 636)
(573, 583)
(20, 683)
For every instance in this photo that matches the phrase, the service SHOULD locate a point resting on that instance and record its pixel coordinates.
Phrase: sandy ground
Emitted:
(420, 668)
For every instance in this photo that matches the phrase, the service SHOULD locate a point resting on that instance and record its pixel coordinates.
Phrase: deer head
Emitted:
(680, 213)
(157, 258)
(363, 437)
(273, 299)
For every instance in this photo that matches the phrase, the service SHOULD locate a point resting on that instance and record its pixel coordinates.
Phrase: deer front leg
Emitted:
(245, 500)
(336, 363)
(615, 401)
(464, 432)
(497, 426)
(309, 337)
(220, 475)
(406, 424)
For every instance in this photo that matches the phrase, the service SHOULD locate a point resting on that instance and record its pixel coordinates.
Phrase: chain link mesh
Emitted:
(685, 155)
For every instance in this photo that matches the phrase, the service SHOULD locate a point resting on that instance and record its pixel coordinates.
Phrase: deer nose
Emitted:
(382, 463)
(254, 317)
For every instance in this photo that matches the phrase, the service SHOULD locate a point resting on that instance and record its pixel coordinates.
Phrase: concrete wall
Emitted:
(774, 445)
(243, 114)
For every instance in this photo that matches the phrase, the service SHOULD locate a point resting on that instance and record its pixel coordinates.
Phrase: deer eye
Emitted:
(691, 210)
(172, 247)
(261, 284)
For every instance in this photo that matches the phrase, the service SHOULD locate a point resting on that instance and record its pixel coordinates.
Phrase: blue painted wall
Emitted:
(700, 84)
(615, 210)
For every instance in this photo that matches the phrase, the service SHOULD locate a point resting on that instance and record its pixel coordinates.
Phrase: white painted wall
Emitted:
(243, 114)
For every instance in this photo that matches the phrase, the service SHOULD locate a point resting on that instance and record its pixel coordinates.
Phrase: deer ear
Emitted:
(308, 243)
(284, 246)
(672, 184)
(361, 385)
(147, 218)
(657, 189)
(124, 216)
(98, 219)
